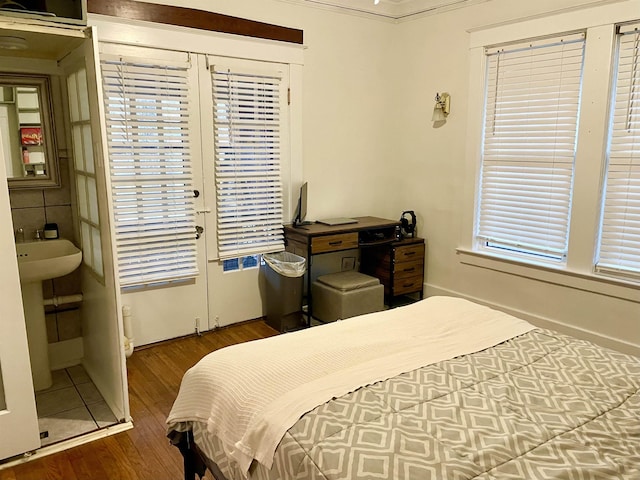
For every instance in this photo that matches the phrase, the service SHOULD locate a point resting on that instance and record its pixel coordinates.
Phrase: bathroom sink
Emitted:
(45, 259)
(37, 261)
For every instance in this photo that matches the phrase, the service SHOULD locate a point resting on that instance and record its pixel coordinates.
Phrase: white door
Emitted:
(161, 93)
(103, 345)
(234, 289)
(18, 419)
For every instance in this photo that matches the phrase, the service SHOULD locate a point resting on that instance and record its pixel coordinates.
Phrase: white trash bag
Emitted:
(286, 263)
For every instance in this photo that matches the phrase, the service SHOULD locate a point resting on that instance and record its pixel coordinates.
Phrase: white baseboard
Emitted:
(543, 322)
(66, 354)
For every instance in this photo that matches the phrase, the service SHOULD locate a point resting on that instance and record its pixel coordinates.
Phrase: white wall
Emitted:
(369, 147)
(349, 100)
(434, 56)
(348, 92)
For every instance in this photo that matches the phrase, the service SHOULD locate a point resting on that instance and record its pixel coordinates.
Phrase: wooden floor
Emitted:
(142, 453)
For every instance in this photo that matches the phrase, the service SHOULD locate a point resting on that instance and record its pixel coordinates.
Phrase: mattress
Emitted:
(535, 405)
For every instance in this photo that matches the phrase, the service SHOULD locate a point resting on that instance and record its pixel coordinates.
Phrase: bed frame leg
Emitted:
(189, 464)
(191, 458)
(192, 463)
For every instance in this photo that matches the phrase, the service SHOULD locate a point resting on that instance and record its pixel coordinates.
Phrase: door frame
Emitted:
(223, 305)
(19, 416)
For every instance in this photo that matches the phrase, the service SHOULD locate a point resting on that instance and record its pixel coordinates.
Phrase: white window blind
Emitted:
(530, 129)
(619, 249)
(248, 125)
(147, 116)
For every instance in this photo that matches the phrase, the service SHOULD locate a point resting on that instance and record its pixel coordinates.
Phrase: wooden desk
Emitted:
(316, 239)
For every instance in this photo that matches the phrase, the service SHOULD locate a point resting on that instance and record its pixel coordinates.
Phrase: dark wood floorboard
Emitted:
(143, 453)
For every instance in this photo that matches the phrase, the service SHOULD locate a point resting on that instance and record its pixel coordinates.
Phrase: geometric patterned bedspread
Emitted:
(540, 406)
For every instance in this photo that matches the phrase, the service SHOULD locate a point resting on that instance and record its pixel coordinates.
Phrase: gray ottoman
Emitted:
(346, 294)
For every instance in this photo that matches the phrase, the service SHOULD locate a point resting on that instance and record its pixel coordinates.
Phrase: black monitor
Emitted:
(301, 209)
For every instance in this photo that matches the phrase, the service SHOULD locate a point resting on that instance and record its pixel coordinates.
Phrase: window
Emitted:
(619, 245)
(530, 132)
(147, 116)
(248, 120)
(242, 263)
(583, 231)
(85, 172)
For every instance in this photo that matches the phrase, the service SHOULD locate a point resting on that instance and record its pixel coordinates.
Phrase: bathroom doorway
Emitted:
(84, 319)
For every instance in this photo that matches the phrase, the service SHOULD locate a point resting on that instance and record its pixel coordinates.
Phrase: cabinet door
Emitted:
(18, 419)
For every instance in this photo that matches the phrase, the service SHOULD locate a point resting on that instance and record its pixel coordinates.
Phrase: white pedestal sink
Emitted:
(38, 261)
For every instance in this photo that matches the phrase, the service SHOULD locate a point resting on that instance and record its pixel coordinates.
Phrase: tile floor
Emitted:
(72, 406)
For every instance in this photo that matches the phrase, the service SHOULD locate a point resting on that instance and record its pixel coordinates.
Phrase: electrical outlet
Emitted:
(348, 263)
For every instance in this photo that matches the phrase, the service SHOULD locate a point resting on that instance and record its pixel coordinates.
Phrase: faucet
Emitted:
(20, 235)
(38, 235)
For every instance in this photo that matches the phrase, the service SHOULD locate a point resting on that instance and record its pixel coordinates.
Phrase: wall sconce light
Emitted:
(442, 107)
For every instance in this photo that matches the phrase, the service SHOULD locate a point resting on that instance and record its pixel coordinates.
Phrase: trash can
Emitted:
(284, 284)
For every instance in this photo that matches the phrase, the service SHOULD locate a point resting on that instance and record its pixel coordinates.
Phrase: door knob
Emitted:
(199, 231)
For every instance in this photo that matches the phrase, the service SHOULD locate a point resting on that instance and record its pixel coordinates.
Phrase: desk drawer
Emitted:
(408, 269)
(409, 253)
(334, 243)
(407, 285)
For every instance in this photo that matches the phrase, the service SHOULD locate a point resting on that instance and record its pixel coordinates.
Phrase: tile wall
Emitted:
(31, 209)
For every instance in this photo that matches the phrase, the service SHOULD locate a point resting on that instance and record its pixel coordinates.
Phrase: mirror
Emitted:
(27, 142)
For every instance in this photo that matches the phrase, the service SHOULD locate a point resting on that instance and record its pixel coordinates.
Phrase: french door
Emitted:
(153, 135)
(235, 294)
(210, 296)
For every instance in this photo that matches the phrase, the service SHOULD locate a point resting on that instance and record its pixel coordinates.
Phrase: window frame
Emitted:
(600, 24)
(531, 159)
(605, 264)
(85, 167)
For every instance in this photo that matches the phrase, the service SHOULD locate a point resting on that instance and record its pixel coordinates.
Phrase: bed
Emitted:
(439, 389)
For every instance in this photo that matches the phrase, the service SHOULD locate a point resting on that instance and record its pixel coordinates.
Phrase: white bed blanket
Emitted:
(250, 394)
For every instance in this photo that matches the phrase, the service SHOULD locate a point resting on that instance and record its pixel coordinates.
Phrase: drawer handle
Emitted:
(408, 254)
(410, 284)
(337, 242)
(409, 269)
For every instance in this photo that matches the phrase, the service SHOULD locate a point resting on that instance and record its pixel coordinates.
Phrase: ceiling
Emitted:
(392, 9)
